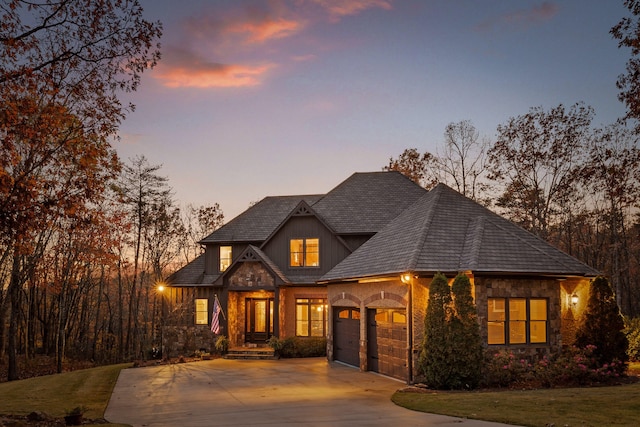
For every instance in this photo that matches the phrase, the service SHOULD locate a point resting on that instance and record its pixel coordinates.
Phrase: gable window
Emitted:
(517, 320)
(311, 317)
(304, 252)
(202, 313)
(225, 257)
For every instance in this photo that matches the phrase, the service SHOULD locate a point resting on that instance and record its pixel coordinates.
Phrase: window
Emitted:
(304, 252)
(225, 257)
(349, 313)
(311, 317)
(390, 315)
(202, 312)
(517, 320)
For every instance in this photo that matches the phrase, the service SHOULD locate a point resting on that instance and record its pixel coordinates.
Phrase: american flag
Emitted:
(215, 319)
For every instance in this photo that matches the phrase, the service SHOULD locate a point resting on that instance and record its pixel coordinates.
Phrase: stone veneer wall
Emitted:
(251, 275)
(186, 340)
(493, 287)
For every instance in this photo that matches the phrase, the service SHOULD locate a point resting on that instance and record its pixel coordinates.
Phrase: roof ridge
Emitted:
(473, 241)
(425, 226)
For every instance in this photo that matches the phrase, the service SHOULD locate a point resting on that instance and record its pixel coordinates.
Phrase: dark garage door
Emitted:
(346, 335)
(387, 342)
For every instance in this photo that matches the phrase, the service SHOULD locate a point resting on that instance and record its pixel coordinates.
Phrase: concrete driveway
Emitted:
(292, 392)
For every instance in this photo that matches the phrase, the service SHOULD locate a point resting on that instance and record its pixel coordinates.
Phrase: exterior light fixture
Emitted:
(574, 299)
(160, 288)
(405, 278)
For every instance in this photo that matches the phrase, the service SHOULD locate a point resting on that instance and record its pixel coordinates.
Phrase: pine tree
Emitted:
(435, 356)
(466, 343)
(603, 325)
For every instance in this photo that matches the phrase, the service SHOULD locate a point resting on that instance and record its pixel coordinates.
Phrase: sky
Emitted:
(264, 98)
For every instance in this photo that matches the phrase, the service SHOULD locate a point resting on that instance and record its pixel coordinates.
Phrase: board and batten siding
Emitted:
(212, 255)
(332, 250)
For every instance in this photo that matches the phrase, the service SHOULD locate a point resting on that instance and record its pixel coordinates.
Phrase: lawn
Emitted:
(589, 406)
(56, 394)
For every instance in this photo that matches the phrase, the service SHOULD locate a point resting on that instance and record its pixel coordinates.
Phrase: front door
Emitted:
(258, 319)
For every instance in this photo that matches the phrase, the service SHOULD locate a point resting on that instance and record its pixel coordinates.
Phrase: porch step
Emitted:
(250, 353)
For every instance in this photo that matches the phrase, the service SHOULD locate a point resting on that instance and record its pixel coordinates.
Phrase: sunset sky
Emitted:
(259, 98)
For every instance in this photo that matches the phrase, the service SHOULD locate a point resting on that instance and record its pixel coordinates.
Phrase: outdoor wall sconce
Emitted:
(574, 299)
(405, 278)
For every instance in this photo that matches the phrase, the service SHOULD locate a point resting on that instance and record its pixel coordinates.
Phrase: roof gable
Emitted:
(445, 231)
(254, 254)
(258, 222)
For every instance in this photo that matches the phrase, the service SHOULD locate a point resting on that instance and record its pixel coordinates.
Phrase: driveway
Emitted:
(292, 392)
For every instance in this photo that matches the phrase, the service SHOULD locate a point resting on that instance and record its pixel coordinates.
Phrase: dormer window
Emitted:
(225, 257)
(304, 252)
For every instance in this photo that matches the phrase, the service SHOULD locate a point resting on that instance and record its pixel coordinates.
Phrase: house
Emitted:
(354, 266)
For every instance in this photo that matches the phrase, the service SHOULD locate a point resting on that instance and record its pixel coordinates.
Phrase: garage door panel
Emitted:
(387, 342)
(346, 336)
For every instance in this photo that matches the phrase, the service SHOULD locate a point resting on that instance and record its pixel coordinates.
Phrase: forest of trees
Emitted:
(86, 236)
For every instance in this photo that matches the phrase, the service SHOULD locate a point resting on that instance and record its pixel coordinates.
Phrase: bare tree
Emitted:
(415, 166)
(143, 191)
(612, 179)
(462, 162)
(536, 158)
(627, 31)
(197, 223)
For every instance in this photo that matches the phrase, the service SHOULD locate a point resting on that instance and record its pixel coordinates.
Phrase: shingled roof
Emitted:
(366, 201)
(445, 231)
(362, 204)
(258, 222)
(191, 274)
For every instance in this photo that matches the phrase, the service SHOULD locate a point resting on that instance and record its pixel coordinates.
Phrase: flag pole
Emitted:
(220, 305)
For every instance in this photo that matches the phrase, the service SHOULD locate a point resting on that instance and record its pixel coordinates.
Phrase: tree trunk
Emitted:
(14, 298)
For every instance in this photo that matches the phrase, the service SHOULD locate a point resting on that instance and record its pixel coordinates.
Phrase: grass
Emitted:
(57, 394)
(595, 406)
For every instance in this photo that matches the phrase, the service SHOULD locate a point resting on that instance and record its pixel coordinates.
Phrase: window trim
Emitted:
(304, 254)
(507, 323)
(221, 267)
(310, 304)
(198, 313)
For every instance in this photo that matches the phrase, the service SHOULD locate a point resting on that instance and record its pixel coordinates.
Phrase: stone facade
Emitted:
(186, 340)
(251, 275)
(500, 287)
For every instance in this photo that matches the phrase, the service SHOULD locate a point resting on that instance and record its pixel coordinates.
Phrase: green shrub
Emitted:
(436, 352)
(632, 331)
(466, 343)
(602, 325)
(503, 368)
(573, 367)
(299, 346)
(222, 344)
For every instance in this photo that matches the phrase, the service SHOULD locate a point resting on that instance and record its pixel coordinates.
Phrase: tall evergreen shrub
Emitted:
(435, 356)
(603, 325)
(466, 343)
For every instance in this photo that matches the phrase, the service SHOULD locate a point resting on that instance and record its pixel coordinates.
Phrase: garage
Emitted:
(346, 335)
(387, 342)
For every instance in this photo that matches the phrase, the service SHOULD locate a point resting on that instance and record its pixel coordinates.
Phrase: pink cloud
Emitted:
(248, 26)
(265, 30)
(181, 68)
(339, 8)
(522, 18)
